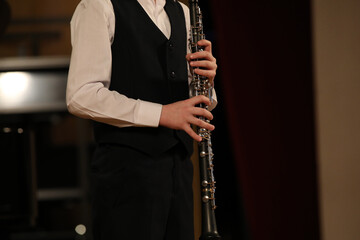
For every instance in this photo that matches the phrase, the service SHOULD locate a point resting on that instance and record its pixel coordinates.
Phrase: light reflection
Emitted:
(13, 85)
(80, 229)
(7, 130)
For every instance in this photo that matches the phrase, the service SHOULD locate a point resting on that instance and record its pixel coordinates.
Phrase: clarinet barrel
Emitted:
(201, 86)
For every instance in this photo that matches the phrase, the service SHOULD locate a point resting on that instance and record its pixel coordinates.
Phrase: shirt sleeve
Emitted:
(88, 94)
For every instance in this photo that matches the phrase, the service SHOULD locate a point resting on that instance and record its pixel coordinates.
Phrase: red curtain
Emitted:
(265, 71)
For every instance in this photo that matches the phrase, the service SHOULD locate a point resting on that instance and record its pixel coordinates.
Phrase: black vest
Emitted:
(147, 66)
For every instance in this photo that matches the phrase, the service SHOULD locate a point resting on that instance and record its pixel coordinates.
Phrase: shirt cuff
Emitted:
(148, 114)
(214, 100)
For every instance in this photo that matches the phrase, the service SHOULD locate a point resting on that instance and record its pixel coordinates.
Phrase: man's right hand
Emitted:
(180, 115)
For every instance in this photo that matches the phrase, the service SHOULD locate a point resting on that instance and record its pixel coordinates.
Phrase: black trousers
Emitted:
(137, 196)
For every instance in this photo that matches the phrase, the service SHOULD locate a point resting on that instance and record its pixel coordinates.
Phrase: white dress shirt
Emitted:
(88, 94)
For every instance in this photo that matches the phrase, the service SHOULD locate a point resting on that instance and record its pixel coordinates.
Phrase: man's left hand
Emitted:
(203, 61)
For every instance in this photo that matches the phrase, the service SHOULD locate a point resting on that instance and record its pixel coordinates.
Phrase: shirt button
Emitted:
(172, 74)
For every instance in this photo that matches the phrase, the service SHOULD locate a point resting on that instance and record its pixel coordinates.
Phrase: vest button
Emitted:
(171, 45)
(172, 74)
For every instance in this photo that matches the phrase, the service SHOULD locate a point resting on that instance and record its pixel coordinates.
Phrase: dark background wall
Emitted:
(266, 87)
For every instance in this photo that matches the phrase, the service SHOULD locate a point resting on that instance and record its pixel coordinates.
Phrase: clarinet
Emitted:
(201, 86)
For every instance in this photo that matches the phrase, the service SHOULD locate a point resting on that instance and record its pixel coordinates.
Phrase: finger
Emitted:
(206, 73)
(202, 55)
(192, 134)
(188, 58)
(209, 65)
(201, 124)
(201, 112)
(206, 44)
(199, 99)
